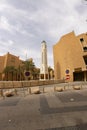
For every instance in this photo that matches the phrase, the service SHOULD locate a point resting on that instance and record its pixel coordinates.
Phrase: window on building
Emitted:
(84, 44)
(85, 48)
(81, 40)
(85, 59)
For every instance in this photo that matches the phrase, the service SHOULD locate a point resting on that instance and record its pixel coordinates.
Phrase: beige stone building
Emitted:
(13, 68)
(8, 60)
(70, 57)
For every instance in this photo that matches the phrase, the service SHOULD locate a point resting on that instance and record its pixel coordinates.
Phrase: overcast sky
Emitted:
(24, 24)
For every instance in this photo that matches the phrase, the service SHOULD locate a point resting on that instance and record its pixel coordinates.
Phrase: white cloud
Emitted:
(4, 23)
(24, 26)
(5, 46)
(10, 42)
(6, 43)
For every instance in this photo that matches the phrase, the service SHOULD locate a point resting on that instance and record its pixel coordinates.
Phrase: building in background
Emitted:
(44, 66)
(8, 64)
(70, 57)
(13, 68)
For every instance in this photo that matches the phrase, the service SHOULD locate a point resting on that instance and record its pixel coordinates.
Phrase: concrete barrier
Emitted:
(35, 90)
(58, 89)
(76, 87)
(10, 92)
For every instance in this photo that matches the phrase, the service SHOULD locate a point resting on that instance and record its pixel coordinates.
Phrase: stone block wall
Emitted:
(19, 84)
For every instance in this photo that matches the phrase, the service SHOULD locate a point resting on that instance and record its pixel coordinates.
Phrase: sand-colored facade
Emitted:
(8, 60)
(70, 57)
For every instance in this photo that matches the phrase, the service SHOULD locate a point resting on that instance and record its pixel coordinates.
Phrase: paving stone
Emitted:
(45, 109)
(67, 96)
(41, 112)
(9, 102)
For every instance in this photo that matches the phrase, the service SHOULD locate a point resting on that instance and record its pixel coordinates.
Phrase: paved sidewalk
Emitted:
(46, 111)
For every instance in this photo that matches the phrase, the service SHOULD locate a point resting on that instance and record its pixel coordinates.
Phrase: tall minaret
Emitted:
(44, 66)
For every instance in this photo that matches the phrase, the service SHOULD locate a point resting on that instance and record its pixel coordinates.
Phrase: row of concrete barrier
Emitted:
(20, 84)
(36, 90)
(39, 89)
(60, 89)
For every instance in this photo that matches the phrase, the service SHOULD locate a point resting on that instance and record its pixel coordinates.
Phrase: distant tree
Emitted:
(29, 66)
(9, 70)
(13, 72)
(6, 72)
(20, 73)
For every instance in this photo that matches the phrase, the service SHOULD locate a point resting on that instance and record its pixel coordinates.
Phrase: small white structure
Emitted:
(44, 66)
